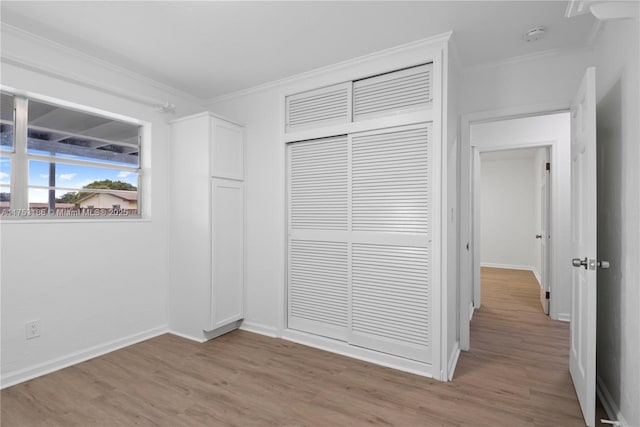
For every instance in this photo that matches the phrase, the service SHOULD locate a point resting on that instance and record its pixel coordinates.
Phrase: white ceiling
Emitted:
(212, 48)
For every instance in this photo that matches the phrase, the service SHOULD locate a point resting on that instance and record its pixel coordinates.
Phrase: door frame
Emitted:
(469, 247)
(476, 220)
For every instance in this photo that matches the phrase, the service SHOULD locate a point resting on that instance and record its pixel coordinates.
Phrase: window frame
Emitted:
(20, 158)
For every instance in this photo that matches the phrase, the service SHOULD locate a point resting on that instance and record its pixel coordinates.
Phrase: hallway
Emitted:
(519, 356)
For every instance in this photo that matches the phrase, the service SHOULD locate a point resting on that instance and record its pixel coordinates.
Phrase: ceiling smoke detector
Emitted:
(534, 34)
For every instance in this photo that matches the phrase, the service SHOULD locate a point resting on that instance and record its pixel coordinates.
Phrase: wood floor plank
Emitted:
(515, 375)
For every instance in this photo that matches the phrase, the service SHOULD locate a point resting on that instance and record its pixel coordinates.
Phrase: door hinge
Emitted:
(547, 294)
(548, 166)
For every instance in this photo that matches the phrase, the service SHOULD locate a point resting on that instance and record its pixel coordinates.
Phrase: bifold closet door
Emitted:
(359, 239)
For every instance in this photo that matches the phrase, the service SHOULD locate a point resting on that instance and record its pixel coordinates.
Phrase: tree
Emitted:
(105, 184)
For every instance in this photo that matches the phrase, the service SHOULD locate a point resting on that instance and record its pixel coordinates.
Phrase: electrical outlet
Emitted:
(33, 329)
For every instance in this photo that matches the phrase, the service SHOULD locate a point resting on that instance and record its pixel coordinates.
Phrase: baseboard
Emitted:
(188, 337)
(508, 266)
(259, 328)
(453, 360)
(472, 309)
(360, 353)
(22, 375)
(564, 317)
(610, 407)
(537, 274)
(209, 335)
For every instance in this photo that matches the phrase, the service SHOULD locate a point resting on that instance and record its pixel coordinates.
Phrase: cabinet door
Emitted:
(227, 150)
(227, 244)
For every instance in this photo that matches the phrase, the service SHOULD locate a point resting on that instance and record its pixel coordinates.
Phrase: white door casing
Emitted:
(582, 354)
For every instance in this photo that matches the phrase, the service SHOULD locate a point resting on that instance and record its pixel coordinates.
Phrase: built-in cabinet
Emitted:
(207, 226)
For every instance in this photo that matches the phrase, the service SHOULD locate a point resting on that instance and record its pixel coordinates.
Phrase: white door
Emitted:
(544, 236)
(582, 354)
(227, 245)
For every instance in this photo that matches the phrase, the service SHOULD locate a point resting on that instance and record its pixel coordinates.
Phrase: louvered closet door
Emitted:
(318, 237)
(390, 253)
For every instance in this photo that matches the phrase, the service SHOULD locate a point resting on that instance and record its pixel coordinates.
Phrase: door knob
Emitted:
(538, 236)
(577, 262)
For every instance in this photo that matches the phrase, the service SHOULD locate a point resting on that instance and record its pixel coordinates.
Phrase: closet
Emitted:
(362, 162)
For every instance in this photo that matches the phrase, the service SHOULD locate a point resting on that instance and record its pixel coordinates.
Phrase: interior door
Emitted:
(582, 355)
(544, 236)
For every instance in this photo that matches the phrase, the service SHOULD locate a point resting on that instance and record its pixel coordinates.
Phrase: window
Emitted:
(57, 161)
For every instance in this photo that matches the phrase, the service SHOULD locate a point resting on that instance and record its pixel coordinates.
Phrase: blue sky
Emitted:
(72, 176)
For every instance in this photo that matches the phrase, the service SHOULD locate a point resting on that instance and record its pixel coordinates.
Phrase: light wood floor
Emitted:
(515, 375)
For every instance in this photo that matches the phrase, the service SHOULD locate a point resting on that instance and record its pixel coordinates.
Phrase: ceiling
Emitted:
(212, 48)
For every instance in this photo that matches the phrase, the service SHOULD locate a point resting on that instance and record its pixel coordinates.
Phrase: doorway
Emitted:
(485, 133)
(513, 214)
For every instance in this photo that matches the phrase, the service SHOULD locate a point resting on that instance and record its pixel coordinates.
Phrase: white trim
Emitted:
(77, 54)
(453, 361)
(56, 364)
(422, 116)
(564, 317)
(428, 42)
(188, 337)
(507, 266)
(158, 105)
(538, 277)
(205, 114)
(609, 405)
(259, 328)
(360, 353)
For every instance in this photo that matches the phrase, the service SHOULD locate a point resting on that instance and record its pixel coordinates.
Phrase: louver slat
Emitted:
(391, 301)
(390, 182)
(318, 287)
(328, 105)
(318, 180)
(392, 93)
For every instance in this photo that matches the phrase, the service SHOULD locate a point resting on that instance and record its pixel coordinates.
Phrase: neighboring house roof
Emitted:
(46, 205)
(130, 197)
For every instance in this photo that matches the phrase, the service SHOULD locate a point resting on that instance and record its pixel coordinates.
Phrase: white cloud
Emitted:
(44, 175)
(67, 176)
(123, 174)
(4, 175)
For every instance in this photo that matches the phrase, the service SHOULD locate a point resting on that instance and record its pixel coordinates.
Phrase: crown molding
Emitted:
(417, 44)
(77, 54)
(159, 105)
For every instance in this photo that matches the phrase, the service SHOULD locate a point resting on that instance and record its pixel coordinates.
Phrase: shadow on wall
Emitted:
(610, 222)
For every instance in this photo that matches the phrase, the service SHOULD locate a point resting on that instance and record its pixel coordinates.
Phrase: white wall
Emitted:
(617, 59)
(554, 131)
(94, 285)
(508, 215)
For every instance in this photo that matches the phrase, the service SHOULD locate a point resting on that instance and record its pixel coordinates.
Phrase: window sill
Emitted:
(75, 220)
